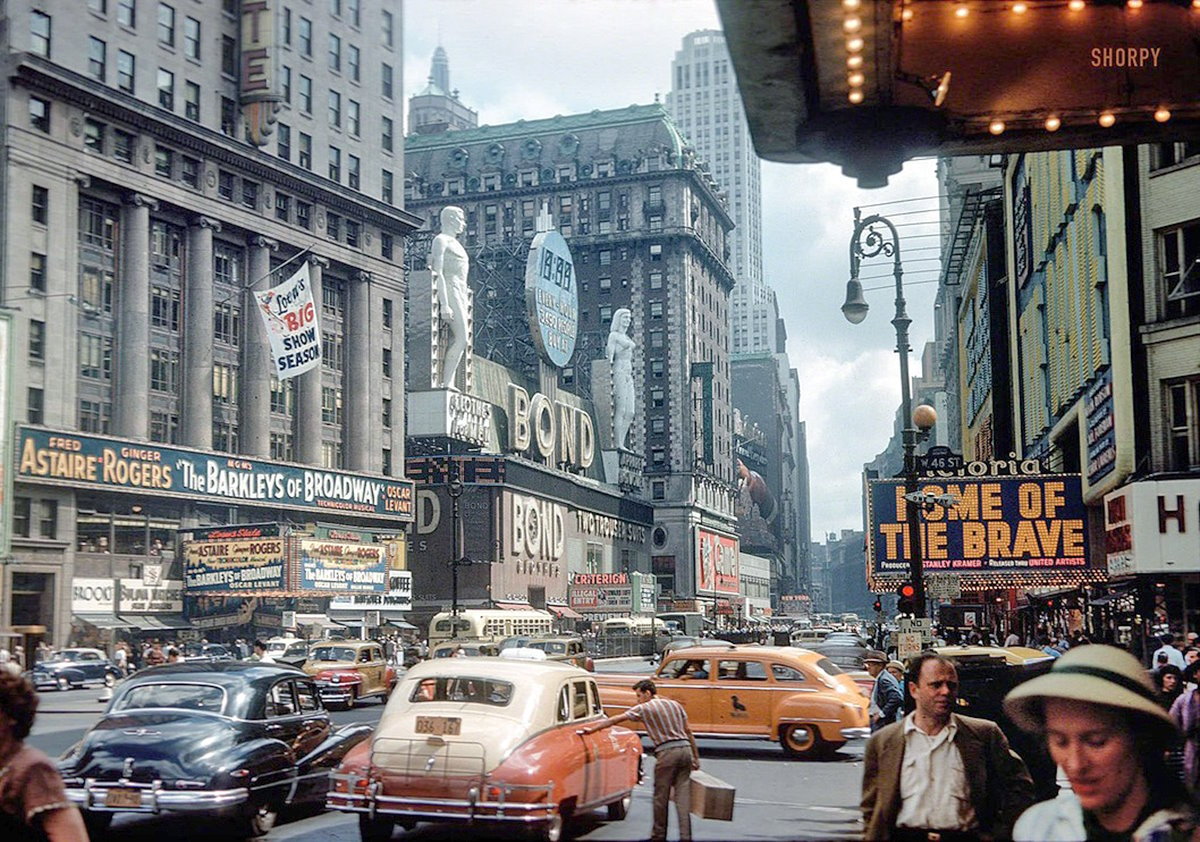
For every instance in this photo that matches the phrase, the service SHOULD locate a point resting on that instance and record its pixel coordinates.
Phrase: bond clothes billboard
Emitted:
(337, 567)
(999, 526)
(716, 562)
(64, 458)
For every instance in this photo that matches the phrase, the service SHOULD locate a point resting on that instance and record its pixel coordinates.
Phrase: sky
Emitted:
(530, 59)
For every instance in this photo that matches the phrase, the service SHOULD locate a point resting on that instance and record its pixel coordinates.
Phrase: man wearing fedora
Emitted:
(939, 776)
(887, 699)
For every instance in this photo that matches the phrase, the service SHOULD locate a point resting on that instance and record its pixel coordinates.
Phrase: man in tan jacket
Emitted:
(938, 776)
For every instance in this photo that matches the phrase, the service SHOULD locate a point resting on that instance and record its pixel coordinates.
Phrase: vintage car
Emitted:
(488, 740)
(349, 670)
(471, 647)
(76, 667)
(779, 693)
(224, 739)
(567, 648)
(288, 650)
(202, 653)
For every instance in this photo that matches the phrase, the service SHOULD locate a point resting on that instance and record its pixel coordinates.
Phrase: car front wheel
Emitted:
(552, 830)
(618, 810)
(259, 820)
(63, 683)
(800, 740)
(376, 829)
(109, 679)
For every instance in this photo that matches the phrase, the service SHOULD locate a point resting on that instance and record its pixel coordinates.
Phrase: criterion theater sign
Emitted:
(998, 528)
(63, 458)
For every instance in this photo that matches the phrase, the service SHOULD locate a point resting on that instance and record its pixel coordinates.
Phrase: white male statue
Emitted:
(620, 355)
(449, 262)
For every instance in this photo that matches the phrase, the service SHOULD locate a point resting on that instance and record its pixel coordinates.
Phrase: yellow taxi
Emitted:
(795, 697)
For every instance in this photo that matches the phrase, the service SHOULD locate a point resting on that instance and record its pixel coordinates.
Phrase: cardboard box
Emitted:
(712, 798)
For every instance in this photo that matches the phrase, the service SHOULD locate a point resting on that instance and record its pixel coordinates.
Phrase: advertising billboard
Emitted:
(246, 566)
(397, 597)
(1150, 527)
(342, 567)
(551, 297)
(716, 562)
(64, 458)
(997, 525)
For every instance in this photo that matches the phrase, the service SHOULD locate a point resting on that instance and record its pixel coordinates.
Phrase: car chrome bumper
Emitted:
(336, 692)
(154, 799)
(855, 733)
(470, 809)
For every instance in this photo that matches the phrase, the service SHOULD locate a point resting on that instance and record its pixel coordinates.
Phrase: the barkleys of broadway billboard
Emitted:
(1000, 530)
(274, 565)
(64, 458)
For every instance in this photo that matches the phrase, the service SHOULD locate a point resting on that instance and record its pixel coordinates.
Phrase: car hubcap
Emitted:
(800, 737)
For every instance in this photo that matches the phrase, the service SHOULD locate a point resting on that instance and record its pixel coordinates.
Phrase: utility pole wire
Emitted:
(270, 272)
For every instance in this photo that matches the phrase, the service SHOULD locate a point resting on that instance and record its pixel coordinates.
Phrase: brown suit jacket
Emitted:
(1000, 785)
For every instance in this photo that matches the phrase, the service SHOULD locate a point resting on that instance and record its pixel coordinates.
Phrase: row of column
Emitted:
(131, 404)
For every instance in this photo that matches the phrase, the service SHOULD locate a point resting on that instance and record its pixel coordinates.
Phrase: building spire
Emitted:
(439, 70)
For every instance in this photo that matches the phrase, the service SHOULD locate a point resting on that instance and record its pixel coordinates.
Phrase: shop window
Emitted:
(32, 599)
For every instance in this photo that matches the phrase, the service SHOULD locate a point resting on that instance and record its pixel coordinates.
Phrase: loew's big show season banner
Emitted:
(64, 458)
(290, 316)
(999, 524)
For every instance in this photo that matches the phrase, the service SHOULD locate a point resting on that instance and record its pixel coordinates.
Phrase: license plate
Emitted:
(439, 726)
(123, 798)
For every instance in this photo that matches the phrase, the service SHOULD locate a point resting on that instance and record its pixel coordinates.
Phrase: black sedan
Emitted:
(76, 667)
(234, 740)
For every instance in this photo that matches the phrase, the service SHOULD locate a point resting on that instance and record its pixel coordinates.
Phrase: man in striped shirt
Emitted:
(675, 755)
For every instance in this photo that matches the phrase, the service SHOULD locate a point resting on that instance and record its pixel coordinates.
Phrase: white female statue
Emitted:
(620, 355)
(449, 262)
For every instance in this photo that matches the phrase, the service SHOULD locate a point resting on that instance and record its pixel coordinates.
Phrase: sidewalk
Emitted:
(86, 700)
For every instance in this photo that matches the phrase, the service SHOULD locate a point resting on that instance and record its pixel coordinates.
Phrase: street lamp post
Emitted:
(868, 241)
(455, 490)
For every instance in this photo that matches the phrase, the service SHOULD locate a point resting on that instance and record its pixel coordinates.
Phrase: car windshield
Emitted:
(514, 643)
(332, 653)
(65, 656)
(484, 691)
(205, 697)
(549, 647)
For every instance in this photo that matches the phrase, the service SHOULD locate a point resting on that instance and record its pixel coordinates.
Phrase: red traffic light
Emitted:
(906, 591)
(878, 606)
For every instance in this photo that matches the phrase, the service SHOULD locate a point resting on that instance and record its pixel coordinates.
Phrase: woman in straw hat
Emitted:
(1106, 729)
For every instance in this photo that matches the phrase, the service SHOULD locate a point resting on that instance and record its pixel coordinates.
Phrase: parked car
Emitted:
(470, 646)
(349, 670)
(288, 650)
(783, 694)
(567, 648)
(202, 653)
(74, 667)
(488, 741)
(232, 740)
(804, 636)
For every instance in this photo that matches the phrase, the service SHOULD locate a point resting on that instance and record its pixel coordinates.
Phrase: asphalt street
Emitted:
(777, 798)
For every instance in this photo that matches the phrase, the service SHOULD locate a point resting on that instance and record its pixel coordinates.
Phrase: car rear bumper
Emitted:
(94, 796)
(855, 733)
(498, 808)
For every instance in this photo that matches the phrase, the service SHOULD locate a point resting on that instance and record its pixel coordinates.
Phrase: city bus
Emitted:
(489, 624)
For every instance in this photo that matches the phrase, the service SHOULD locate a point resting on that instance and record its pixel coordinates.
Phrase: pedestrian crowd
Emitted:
(1125, 741)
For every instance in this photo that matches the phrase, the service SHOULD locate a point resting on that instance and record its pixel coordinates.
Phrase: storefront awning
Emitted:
(400, 624)
(514, 606)
(565, 613)
(103, 621)
(157, 622)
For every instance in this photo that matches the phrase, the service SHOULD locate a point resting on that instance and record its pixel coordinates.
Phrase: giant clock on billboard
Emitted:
(551, 297)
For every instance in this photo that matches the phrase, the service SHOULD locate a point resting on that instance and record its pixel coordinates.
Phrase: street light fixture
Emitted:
(868, 241)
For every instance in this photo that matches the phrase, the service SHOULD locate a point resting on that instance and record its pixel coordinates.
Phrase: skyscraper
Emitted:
(705, 105)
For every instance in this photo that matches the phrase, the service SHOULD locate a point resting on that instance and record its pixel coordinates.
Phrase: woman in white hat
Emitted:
(1107, 730)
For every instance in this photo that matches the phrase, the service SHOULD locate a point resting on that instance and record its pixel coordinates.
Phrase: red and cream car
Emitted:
(488, 740)
(349, 670)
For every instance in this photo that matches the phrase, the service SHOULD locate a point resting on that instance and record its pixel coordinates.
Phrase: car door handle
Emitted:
(274, 728)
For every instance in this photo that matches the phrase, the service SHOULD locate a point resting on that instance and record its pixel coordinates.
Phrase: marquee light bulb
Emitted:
(855, 80)
(1076, 5)
(962, 11)
(854, 45)
(854, 62)
(907, 14)
(1162, 115)
(1053, 123)
(851, 4)
(856, 96)
(996, 127)
(1107, 119)
(852, 24)
(1134, 4)
(1019, 8)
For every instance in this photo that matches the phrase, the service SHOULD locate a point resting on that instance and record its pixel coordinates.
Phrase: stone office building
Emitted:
(647, 231)
(160, 159)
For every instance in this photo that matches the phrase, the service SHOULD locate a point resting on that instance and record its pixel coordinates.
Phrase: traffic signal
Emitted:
(906, 594)
(878, 606)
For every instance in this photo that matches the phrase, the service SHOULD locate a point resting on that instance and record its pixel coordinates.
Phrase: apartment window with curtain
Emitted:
(166, 89)
(97, 61)
(126, 75)
(166, 25)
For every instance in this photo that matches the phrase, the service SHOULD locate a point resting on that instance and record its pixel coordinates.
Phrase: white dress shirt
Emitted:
(1174, 656)
(933, 781)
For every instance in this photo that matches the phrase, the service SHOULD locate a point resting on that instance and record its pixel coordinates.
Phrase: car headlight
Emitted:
(334, 679)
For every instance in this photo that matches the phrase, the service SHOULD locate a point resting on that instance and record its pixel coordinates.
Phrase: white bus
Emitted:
(489, 624)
